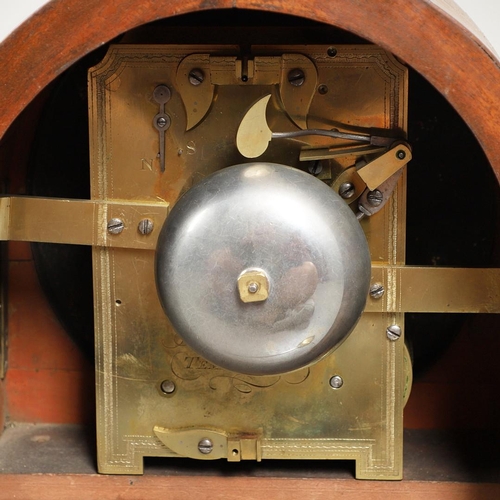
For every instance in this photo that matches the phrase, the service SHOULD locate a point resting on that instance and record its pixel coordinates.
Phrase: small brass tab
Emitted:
(378, 171)
(244, 448)
(253, 285)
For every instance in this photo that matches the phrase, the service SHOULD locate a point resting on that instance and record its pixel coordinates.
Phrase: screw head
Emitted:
(115, 226)
(316, 168)
(346, 190)
(205, 446)
(336, 382)
(401, 154)
(296, 77)
(253, 287)
(167, 386)
(377, 290)
(332, 51)
(161, 122)
(323, 89)
(375, 198)
(196, 77)
(393, 332)
(145, 226)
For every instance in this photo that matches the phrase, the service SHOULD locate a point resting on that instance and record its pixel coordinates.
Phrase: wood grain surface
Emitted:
(75, 487)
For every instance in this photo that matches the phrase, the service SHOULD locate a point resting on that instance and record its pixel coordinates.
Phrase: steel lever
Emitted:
(162, 121)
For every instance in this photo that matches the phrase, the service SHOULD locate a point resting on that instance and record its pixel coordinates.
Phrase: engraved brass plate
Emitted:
(297, 415)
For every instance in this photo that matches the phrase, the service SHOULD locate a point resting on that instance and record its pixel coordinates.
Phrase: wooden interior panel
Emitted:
(48, 379)
(460, 390)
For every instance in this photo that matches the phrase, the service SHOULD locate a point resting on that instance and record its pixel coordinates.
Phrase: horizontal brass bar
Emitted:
(436, 289)
(79, 222)
(84, 222)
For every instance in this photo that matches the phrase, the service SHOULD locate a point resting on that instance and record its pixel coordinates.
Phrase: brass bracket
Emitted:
(261, 70)
(211, 444)
(81, 222)
(436, 289)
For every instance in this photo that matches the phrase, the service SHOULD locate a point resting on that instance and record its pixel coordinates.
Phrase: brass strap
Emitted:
(437, 289)
(79, 222)
(84, 222)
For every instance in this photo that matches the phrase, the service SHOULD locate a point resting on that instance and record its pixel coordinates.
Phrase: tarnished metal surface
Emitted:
(299, 232)
(292, 415)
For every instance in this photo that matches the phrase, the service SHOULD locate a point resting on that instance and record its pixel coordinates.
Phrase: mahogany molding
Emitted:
(87, 487)
(418, 32)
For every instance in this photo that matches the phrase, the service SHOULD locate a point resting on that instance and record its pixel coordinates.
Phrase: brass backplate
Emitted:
(155, 396)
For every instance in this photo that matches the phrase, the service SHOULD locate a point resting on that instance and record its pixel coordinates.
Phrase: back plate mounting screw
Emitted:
(296, 77)
(205, 446)
(377, 290)
(336, 382)
(167, 386)
(115, 226)
(145, 226)
(393, 332)
(196, 77)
